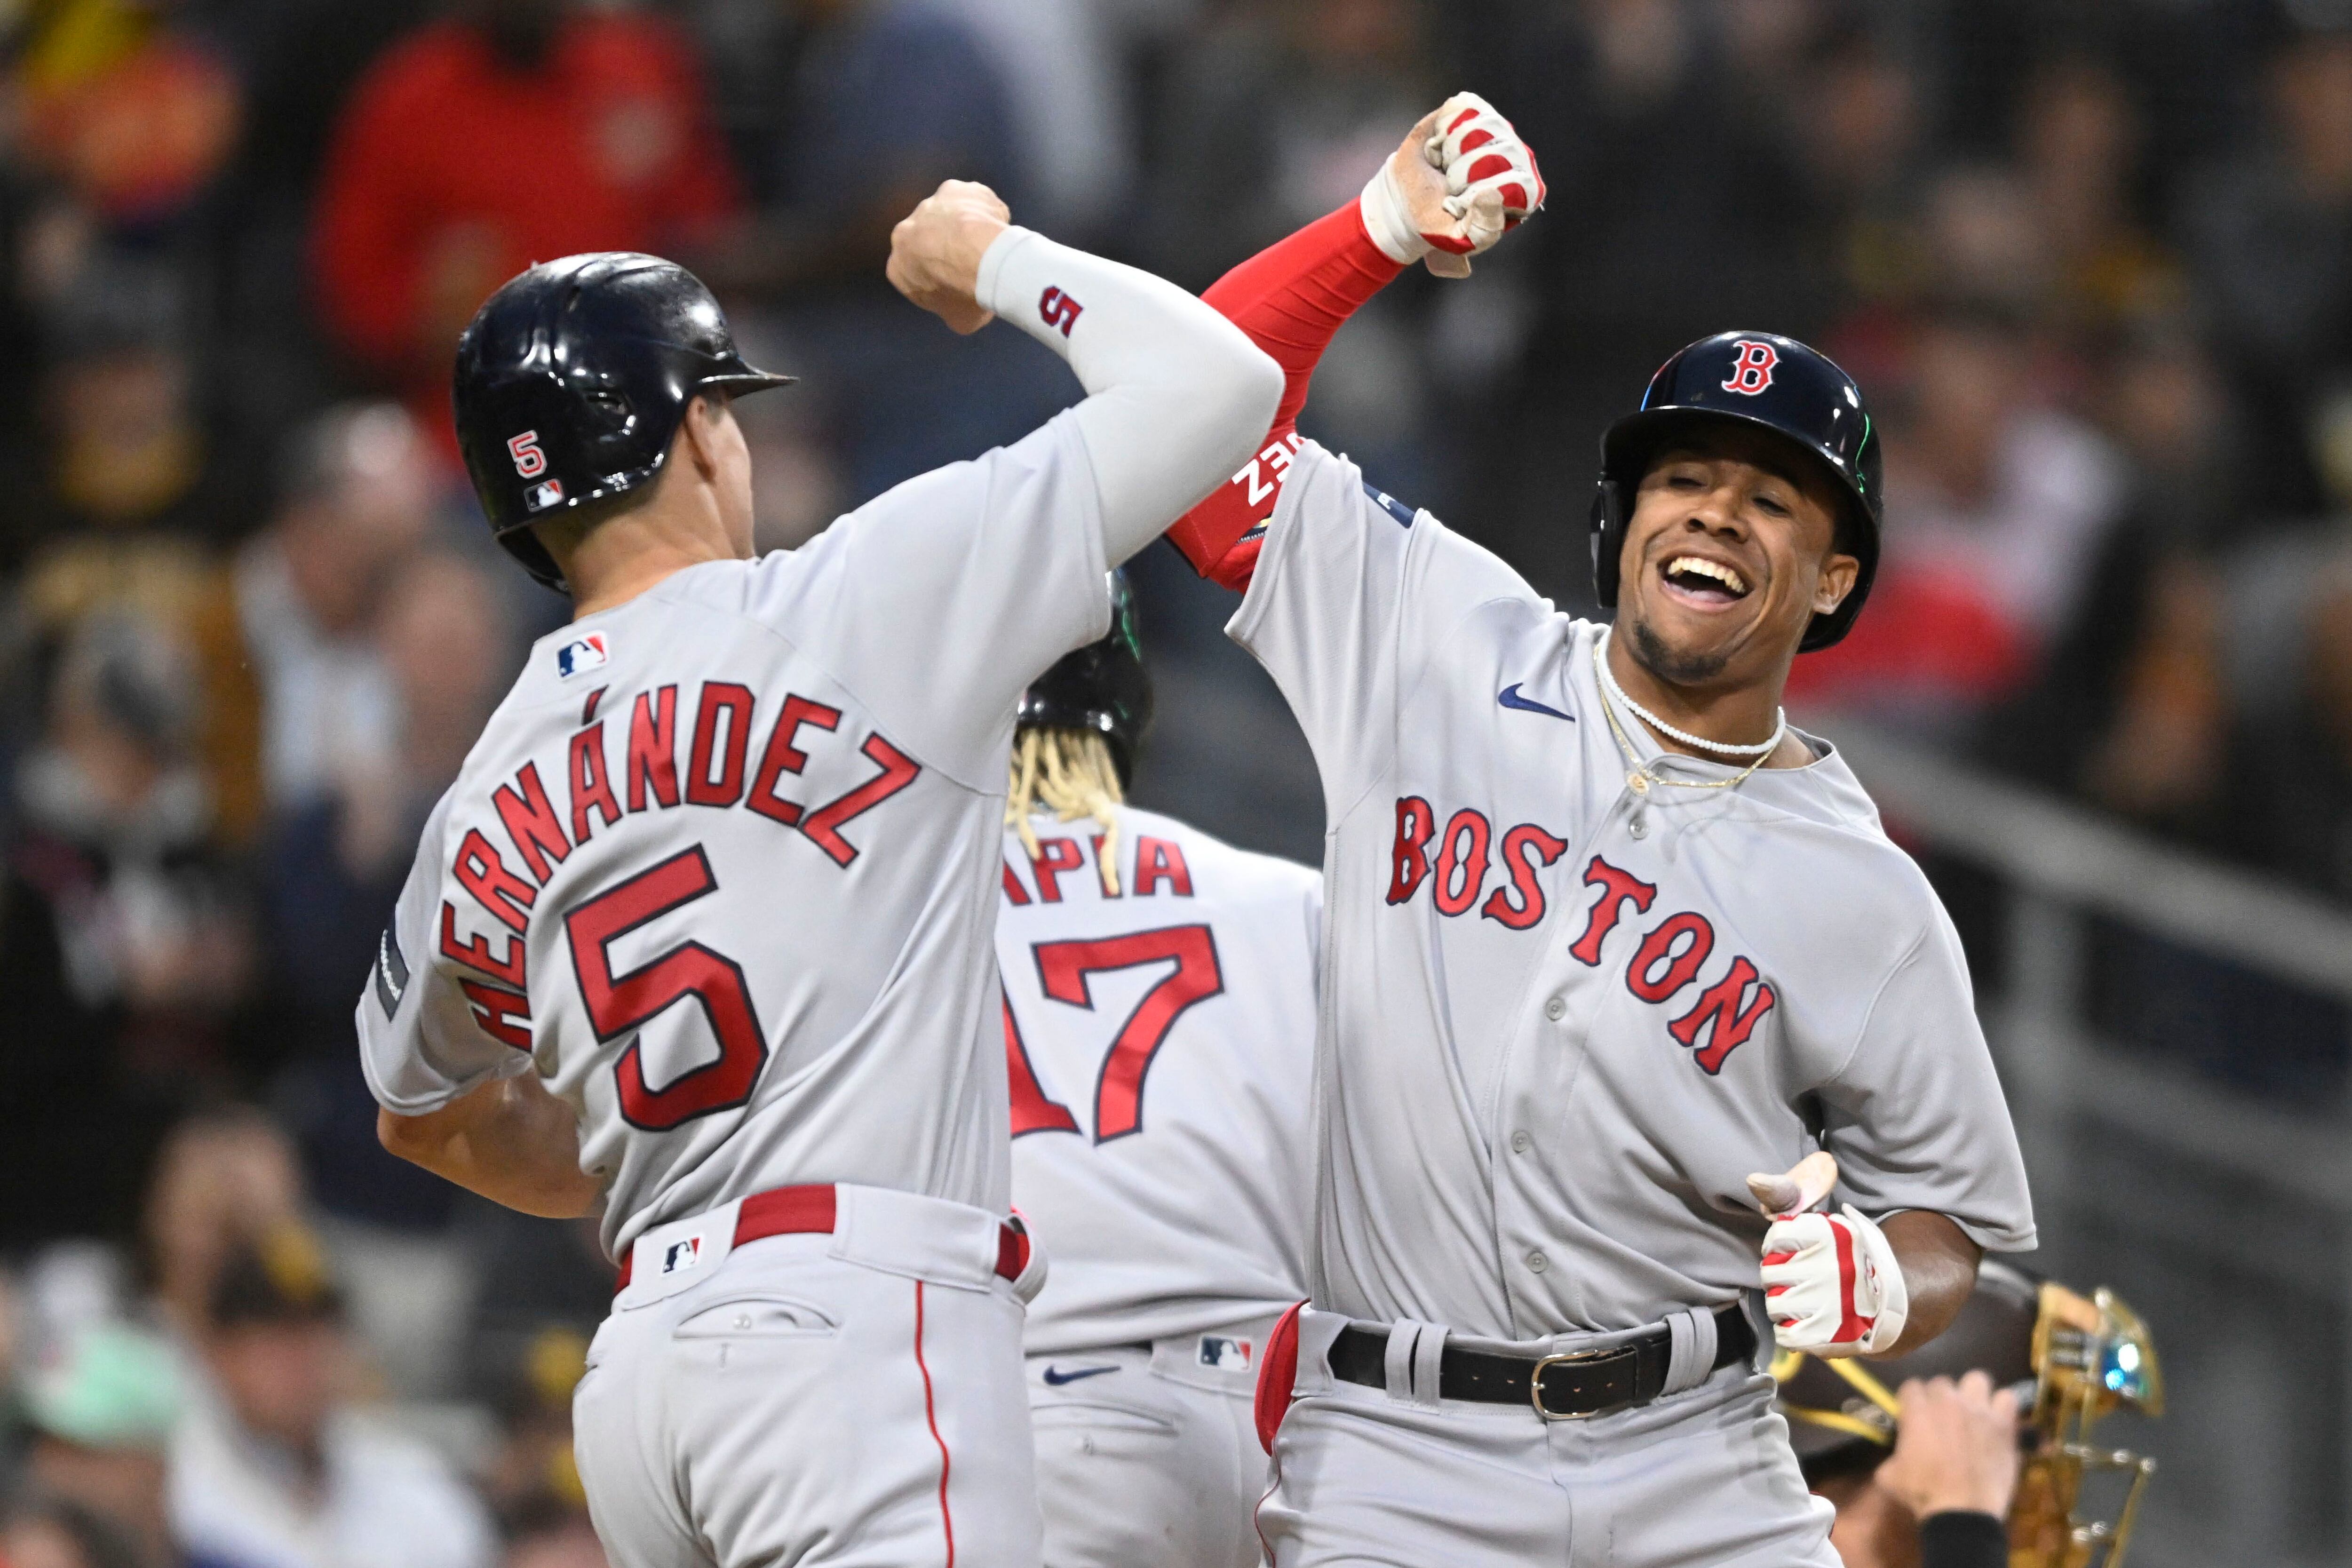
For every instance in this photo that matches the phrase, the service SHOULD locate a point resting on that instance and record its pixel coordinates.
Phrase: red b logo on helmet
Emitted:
(1752, 372)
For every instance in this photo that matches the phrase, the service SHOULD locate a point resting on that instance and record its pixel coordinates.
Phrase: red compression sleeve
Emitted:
(1291, 299)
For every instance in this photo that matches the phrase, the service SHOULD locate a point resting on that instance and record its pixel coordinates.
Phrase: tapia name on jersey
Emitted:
(1159, 1048)
(1155, 865)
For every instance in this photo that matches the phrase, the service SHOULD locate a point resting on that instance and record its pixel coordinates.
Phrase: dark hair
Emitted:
(284, 1279)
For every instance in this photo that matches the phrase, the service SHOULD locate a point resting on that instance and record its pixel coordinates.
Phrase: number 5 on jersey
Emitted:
(619, 1003)
(1064, 968)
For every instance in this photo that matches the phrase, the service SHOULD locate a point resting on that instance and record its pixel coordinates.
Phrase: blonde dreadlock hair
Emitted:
(1070, 773)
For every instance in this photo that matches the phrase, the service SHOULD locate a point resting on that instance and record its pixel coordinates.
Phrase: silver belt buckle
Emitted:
(1535, 1384)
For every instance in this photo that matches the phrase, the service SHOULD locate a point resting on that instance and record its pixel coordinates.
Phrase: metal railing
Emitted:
(2224, 1216)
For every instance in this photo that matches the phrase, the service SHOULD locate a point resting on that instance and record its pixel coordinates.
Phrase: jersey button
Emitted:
(1556, 1009)
(1520, 1143)
(1538, 1263)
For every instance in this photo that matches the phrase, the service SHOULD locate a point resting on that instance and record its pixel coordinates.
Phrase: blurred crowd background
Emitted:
(2092, 259)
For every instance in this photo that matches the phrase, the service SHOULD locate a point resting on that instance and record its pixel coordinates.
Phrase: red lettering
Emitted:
(1719, 1005)
(475, 953)
(590, 786)
(653, 748)
(1409, 858)
(1522, 846)
(532, 822)
(495, 1009)
(721, 698)
(1056, 858)
(1616, 887)
(619, 1003)
(1471, 862)
(1103, 871)
(481, 873)
(1658, 947)
(823, 825)
(783, 757)
(1015, 893)
(1064, 968)
(1034, 1110)
(1157, 860)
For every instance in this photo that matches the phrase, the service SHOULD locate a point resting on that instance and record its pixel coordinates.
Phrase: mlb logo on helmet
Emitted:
(539, 497)
(680, 1256)
(1751, 373)
(582, 653)
(1225, 1354)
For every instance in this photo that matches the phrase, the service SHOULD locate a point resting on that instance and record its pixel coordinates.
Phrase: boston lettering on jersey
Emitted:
(1668, 960)
(718, 763)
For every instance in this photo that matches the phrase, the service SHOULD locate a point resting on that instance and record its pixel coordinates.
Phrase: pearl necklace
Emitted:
(1721, 748)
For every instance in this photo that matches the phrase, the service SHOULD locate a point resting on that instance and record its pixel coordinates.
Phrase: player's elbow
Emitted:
(1218, 427)
(1253, 393)
(412, 1138)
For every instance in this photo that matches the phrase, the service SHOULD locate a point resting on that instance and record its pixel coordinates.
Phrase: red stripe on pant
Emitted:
(930, 1414)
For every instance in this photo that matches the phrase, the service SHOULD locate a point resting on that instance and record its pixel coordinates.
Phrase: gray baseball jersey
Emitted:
(1564, 1018)
(1160, 1044)
(755, 812)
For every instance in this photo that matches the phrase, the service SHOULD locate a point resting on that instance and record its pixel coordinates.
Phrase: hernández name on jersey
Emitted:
(614, 770)
(725, 861)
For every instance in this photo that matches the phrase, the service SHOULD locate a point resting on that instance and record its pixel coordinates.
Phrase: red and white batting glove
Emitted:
(1832, 1285)
(1460, 180)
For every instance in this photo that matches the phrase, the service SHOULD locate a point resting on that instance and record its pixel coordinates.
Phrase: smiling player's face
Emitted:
(1729, 554)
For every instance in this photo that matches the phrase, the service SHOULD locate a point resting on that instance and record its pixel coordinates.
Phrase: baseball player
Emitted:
(1159, 1033)
(701, 931)
(1612, 957)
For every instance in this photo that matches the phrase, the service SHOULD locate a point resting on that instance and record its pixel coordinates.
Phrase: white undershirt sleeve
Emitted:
(1177, 397)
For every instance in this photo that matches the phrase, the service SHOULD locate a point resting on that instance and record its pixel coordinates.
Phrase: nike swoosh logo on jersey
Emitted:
(1056, 1377)
(1509, 698)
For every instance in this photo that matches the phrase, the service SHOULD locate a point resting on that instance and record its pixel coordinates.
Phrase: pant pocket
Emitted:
(765, 1316)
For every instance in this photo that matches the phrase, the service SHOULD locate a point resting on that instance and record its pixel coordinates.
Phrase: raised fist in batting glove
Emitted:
(1461, 178)
(1832, 1284)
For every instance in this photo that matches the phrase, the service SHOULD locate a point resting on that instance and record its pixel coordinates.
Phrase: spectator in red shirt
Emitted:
(517, 131)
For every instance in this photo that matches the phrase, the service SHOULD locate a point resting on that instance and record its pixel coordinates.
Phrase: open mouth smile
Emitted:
(1701, 584)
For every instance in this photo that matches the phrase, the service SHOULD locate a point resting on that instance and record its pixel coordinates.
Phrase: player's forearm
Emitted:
(1177, 396)
(1291, 299)
(1940, 1269)
(510, 1140)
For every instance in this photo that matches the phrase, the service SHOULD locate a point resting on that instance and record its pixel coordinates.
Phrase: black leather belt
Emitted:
(1566, 1387)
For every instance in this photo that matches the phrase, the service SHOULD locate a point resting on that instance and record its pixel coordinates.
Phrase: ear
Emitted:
(696, 433)
(1838, 575)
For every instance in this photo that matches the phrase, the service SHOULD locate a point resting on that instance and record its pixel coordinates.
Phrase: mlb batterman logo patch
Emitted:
(680, 1256)
(583, 654)
(1226, 1354)
(539, 497)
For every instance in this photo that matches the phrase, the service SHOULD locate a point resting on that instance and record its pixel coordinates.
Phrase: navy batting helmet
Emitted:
(1101, 687)
(571, 380)
(1760, 379)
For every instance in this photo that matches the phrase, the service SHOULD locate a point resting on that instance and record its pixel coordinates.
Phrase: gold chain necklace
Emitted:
(1640, 780)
